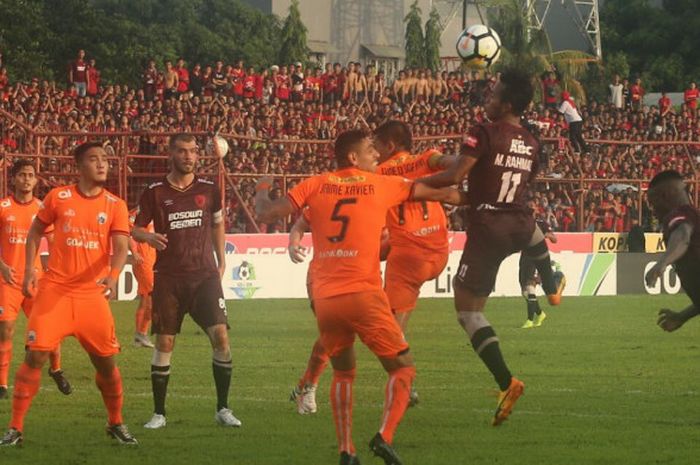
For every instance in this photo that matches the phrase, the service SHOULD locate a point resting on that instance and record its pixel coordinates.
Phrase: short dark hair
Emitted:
(346, 143)
(19, 164)
(82, 149)
(517, 89)
(665, 176)
(179, 137)
(397, 132)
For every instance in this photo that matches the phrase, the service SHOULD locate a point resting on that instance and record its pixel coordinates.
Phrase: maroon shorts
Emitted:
(491, 237)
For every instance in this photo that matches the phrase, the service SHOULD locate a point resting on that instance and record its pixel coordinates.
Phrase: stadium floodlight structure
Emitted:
(584, 13)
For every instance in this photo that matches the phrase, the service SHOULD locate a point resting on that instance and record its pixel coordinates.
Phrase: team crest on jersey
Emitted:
(200, 200)
(64, 194)
(101, 218)
(31, 337)
(2, 310)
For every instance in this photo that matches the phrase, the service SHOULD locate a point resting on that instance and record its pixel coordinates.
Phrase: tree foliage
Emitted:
(39, 38)
(293, 37)
(659, 43)
(415, 52)
(432, 40)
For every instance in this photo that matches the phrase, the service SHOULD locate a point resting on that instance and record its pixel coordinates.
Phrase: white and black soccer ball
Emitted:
(479, 46)
(221, 142)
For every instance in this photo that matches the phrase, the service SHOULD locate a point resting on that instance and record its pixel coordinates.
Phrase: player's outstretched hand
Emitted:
(669, 320)
(29, 284)
(297, 253)
(157, 241)
(8, 274)
(110, 287)
(654, 274)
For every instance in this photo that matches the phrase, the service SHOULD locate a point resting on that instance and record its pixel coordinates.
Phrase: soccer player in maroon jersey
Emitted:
(681, 230)
(187, 218)
(500, 160)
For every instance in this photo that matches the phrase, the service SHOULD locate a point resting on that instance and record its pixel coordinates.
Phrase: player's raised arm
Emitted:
(32, 248)
(297, 253)
(422, 191)
(266, 210)
(457, 171)
(677, 247)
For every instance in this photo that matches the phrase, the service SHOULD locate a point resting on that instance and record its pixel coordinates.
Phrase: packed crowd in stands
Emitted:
(264, 112)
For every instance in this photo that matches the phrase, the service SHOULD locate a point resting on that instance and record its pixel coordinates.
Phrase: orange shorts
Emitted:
(144, 276)
(406, 272)
(366, 314)
(59, 313)
(11, 300)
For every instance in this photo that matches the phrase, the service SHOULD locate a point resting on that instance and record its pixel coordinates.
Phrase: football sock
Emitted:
(532, 306)
(160, 375)
(55, 360)
(222, 378)
(317, 363)
(539, 254)
(396, 397)
(5, 359)
(27, 381)
(112, 394)
(143, 319)
(341, 402)
(485, 344)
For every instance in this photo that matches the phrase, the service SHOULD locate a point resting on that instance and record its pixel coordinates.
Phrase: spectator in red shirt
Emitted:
(664, 104)
(94, 78)
(690, 96)
(637, 94)
(183, 78)
(282, 84)
(237, 75)
(549, 90)
(77, 75)
(249, 84)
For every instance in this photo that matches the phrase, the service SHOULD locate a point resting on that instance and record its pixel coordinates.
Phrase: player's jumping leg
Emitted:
(160, 375)
(485, 343)
(304, 393)
(109, 382)
(552, 283)
(143, 322)
(222, 366)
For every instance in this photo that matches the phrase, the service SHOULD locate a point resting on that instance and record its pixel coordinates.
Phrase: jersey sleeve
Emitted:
(302, 191)
(47, 209)
(432, 159)
(476, 143)
(397, 189)
(120, 219)
(217, 212)
(144, 213)
(677, 219)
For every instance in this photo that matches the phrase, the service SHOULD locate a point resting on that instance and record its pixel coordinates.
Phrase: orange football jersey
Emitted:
(415, 224)
(142, 248)
(15, 220)
(81, 250)
(347, 211)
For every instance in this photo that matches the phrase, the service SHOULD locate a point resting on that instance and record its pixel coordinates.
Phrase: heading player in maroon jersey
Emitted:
(681, 229)
(500, 160)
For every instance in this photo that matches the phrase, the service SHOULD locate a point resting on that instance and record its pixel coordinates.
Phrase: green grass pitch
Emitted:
(604, 385)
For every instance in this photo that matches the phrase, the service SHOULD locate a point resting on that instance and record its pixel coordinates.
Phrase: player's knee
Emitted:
(7, 330)
(165, 343)
(537, 251)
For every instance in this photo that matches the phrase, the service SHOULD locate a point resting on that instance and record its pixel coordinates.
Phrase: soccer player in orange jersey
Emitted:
(16, 215)
(348, 210)
(72, 296)
(144, 257)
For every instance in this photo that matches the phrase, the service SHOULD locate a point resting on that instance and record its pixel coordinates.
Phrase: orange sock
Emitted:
(55, 359)
(143, 319)
(5, 360)
(27, 382)
(398, 390)
(112, 395)
(341, 401)
(317, 363)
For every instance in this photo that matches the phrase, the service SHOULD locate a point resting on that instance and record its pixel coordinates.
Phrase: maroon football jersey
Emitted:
(185, 217)
(688, 266)
(507, 162)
